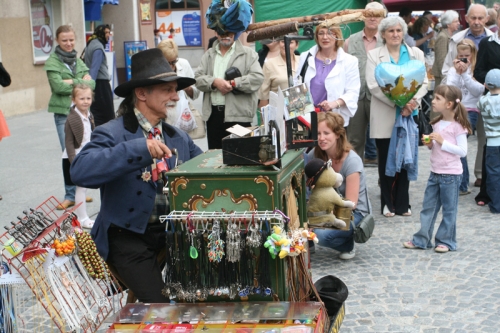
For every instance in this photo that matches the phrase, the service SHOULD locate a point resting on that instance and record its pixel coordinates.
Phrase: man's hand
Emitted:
(157, 149)
(223, 86)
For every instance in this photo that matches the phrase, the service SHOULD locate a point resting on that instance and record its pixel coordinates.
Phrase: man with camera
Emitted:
(476, 17)
(230, 76)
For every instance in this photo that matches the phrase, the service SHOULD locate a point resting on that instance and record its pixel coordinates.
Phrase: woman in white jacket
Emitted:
(331, 75)
(460, 75)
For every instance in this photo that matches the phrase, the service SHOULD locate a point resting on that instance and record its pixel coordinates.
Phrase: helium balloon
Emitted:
(400, 82)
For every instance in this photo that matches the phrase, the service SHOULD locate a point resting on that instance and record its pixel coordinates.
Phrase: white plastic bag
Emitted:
(185, 121)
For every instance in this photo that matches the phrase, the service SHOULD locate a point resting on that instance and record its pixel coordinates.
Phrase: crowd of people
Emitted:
(355, 116)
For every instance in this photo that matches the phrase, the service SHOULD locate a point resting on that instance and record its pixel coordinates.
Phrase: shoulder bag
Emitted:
(364, 230)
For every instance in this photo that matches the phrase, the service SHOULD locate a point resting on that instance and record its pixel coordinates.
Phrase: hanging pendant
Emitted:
(193, 252)
(146, 176)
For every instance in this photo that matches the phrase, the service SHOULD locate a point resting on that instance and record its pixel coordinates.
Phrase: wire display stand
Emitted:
(73, 301)
(274, 217)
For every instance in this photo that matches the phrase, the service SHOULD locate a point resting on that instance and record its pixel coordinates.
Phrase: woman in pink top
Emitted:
(448, 142)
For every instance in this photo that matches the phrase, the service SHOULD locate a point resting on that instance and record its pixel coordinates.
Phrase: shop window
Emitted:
(177, 4)
(193, 4)
(184, 17)
(161, 4)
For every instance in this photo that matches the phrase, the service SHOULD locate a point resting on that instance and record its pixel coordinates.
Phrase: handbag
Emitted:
(424, 128)
(364, 230)
(304, 67)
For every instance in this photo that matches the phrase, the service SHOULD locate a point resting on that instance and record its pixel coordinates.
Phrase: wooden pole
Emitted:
(274, 31)
(318, 18)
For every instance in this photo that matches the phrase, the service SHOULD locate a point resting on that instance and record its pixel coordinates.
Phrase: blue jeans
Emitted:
(493, 177)
(370, 148)
(441, 190)
(340, 240)
(60, 120)
(464, 184)
(473, 119)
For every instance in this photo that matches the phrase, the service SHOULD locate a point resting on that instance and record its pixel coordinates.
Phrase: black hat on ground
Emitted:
(150, 67)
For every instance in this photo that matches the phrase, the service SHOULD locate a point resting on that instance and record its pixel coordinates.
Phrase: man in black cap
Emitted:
(123, 160)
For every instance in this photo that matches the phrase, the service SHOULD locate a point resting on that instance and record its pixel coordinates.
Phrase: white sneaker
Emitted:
(87, 223)
(347, 255)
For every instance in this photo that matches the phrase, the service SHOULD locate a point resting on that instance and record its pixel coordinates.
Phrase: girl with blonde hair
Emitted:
(460, 76)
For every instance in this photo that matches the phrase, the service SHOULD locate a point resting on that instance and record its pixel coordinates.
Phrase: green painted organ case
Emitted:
(206, 184)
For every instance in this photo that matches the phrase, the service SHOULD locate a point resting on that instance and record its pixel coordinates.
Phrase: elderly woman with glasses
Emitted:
(182, 67)
(331, 74)
(394, 189)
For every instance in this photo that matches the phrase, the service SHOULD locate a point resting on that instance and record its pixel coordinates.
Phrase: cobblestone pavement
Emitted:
(391, 289)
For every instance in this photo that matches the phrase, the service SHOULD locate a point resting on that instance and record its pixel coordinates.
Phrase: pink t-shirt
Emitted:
(443, 162)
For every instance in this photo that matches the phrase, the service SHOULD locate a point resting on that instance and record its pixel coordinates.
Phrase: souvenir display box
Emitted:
(206, 184)
(245, 317)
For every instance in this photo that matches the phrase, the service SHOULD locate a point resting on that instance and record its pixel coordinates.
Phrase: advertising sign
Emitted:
(42, 27)
(130, 49)
(186, 24)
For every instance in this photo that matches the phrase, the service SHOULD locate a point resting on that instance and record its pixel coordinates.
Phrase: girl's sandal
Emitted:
(387, 212)
(441, 249)
(407, 213)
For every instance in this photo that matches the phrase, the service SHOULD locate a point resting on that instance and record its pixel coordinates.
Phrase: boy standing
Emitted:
(489, 105)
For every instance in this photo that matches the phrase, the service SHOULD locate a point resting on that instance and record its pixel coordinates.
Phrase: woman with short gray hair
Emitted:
(390, 22)
(394, 190)
(450, 23)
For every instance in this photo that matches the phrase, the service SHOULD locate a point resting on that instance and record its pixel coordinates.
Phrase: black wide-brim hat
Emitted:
(314, 168)
(150, 67)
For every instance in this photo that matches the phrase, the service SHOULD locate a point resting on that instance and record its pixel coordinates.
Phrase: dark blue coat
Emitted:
(114, 161)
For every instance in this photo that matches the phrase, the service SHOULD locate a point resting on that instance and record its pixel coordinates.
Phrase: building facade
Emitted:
(28, 36)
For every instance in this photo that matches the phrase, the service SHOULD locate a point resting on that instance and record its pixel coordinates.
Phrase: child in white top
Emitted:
(460, 75)
(448, 142)
(79, 126)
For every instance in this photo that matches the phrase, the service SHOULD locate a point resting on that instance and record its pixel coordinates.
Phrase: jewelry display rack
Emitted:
(71, 301)
(230, 247)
